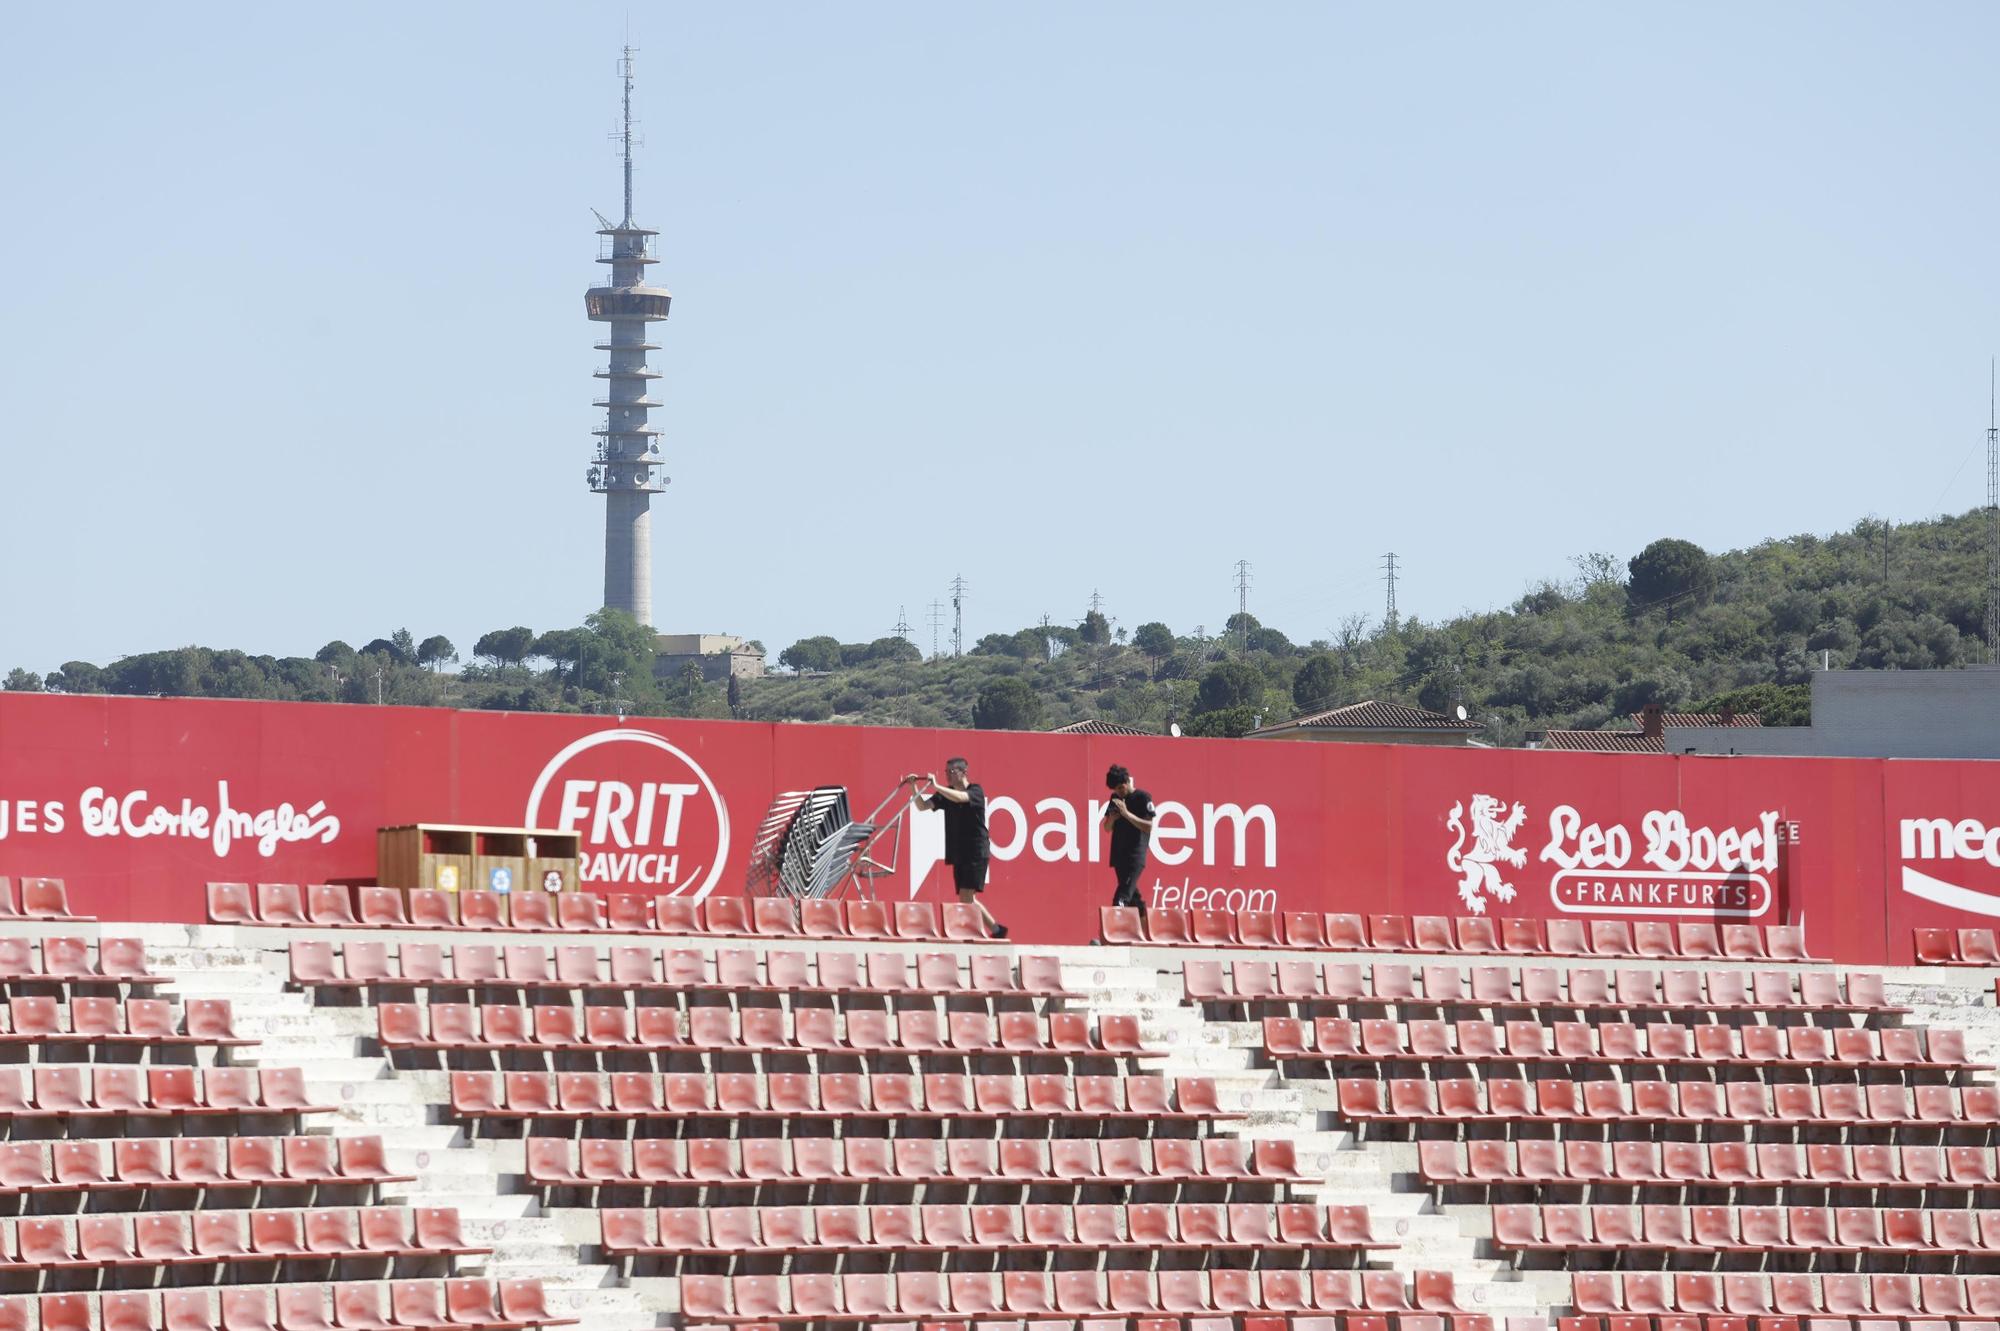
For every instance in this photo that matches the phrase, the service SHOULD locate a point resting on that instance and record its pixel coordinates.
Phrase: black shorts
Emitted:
(970, 876)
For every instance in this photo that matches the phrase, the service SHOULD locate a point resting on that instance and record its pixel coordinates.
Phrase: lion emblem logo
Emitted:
(1492, 845)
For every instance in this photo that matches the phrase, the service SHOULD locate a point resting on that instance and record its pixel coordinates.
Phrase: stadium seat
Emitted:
(381, 907)
(45, 899)
(532, 911)
(229, 903)
(281, 903)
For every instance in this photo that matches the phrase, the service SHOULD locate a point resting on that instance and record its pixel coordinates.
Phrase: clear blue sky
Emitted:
(1059, 297)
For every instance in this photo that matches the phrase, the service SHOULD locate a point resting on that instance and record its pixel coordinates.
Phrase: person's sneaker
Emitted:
(999, 931)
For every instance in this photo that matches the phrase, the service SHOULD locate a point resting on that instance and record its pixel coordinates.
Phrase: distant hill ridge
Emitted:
(1673, 625)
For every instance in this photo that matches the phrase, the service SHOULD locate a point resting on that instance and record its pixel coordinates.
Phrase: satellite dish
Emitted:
(1174, 729)
(1461, 711)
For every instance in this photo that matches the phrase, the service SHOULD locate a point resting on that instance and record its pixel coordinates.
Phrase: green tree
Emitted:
(1222, 723)
(405, 645)
(817, 653)
(562, 646)
(76, 677)
(1032, 644)
(1095, 629)
(1154, 639)
(891, 648)
(22, 681)
(615, 660)
(505, 646)
(1261, 639)
(1007, 703)
(1313, 688)
(1230, 684)
(1773, 704)
(436, 651)
(1668, 570)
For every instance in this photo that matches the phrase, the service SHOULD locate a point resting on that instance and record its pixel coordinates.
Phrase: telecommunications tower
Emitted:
(1992, 521)
(625, 469)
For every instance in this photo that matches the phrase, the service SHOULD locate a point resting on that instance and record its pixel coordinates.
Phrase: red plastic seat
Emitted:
(916, 921)
(578, 911)
(480, 909)
(277, 1233)
(532, 911)
(1432, 933)
(281, 903)
(1976, 947)
(193, 1310)
(431, 908)
(1168, 926)
(1654, 939)
(1743, 942)
(381, 907)
(963, 923)
(228, 903)
(1390, 933)
(1117, 925)
(1611, 938)
(625, 913)
(868, 919)
(1568, 938)
(45, 899)
(1345, 933)
(1212, 928)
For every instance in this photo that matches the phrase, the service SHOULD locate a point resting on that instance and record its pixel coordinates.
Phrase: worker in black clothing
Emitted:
(966, 848)
(1129, 815)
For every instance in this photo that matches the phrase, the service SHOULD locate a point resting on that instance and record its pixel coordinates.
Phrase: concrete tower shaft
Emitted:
(625, 467)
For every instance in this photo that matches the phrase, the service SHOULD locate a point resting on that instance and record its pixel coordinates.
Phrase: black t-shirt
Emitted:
(964, 826)
(1128, 843)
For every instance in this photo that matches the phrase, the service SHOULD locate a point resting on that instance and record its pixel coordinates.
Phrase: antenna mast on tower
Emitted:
(625, 135)
(1243, 603)
(958, 589)
(1992, 522)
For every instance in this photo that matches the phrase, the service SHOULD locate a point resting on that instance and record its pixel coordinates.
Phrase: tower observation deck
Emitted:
(626, 466)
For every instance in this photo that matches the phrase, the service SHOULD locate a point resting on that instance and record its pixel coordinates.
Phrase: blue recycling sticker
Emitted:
(500, 879)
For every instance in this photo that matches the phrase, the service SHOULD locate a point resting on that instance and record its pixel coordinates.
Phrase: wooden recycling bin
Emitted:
(457, 858)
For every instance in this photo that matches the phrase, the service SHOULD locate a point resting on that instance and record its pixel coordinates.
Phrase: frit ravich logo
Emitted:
(1492, 845)
(650, 819)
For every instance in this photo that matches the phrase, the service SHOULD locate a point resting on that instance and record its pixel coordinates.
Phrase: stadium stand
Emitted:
(355, 1109)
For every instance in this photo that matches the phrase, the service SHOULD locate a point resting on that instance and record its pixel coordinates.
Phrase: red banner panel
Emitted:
(138, 803)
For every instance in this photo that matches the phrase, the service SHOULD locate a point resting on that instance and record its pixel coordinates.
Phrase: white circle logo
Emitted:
(648, 817)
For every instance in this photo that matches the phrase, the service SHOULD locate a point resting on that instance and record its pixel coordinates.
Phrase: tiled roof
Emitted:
(1702, 719)
(1603, 741)
(1371, 716)
(1095, 727)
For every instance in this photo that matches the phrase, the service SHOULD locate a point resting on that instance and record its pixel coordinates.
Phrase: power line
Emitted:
(903, 624)
(936, 617)
(959, 586)
(1096, 602)
(1389, 577)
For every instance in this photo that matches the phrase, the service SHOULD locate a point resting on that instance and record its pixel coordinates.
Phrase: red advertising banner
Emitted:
(137, 803)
